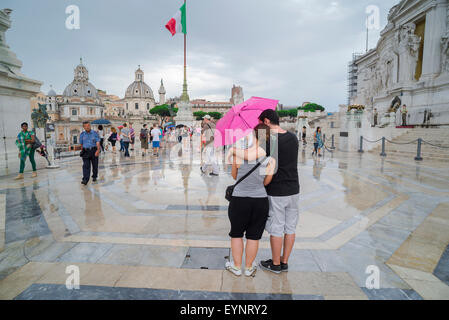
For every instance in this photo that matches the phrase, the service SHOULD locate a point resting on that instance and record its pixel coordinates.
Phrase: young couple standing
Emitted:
(267, 199)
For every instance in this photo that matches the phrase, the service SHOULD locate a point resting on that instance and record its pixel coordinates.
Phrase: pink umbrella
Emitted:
(241, 120)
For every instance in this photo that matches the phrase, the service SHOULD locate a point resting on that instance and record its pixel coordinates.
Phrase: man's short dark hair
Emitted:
(270, 115)
(85, 122)
(23, 124)
(145, 125)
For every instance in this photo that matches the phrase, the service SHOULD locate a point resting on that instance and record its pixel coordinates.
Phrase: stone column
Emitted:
(435, 30)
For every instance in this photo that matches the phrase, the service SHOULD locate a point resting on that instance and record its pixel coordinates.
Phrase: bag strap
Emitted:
(250, 172)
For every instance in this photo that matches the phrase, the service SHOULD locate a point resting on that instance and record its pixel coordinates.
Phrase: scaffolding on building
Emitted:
(352, 76)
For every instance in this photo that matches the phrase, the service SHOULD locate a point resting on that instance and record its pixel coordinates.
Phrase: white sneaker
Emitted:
(232, 268)
(251, 272)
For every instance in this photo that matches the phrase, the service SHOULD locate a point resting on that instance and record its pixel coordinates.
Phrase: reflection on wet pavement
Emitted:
(147, 214)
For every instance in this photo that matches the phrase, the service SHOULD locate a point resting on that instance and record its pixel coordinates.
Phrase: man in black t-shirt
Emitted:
(283, 194)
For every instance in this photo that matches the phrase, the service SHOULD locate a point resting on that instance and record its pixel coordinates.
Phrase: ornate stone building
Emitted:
(210, 106)
(410, 64)
(218, 106)
(39, 98)
(114, 107)
(139, 98)
(237, 95)
(79, 102)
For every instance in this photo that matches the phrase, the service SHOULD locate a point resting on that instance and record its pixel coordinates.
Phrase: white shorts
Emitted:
(283, 216)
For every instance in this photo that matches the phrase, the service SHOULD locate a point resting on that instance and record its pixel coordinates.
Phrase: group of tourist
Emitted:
(265, 197)
(127, 137)
(318, 141)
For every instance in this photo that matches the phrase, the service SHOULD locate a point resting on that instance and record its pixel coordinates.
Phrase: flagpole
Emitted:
(185, 94)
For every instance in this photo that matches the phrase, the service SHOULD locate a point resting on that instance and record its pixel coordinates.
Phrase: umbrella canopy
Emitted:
(241, 120)
(101, 121)
(167, 124)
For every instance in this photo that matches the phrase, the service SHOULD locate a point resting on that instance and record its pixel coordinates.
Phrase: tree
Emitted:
(161, 111)
(293, 113)
(40, 118)
(216, 115)
(282, 113)
(199, 115)
(312, 107)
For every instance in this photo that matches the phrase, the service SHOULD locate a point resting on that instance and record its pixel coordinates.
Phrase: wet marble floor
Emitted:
(155, 228)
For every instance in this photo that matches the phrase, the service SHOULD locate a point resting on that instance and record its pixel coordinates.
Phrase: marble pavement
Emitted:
(155, 228)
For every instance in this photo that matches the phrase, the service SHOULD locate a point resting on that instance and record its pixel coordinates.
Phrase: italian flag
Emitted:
(178, 24)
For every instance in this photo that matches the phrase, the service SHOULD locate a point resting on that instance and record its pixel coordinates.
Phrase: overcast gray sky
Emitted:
(291, 50)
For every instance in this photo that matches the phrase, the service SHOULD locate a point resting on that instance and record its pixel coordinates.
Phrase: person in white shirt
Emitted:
(101, 135)
(156, 134)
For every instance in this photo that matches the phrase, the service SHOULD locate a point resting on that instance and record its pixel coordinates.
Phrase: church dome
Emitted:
(51, 93)
(139, 89)
(80, 86)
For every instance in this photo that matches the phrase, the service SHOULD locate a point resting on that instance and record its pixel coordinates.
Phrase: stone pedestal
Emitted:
(343, 139)
(392, 119)
(185, 115)
(15, 93)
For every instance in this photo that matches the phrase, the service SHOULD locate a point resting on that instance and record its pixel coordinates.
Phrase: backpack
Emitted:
(142, 134)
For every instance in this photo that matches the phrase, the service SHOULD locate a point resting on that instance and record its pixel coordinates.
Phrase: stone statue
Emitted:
(372, 82)
(395, 104)
(445, 54)
(376, 79)
(386, 66)
(407, 47)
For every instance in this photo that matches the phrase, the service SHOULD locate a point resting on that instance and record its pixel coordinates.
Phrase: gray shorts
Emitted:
(283, 216)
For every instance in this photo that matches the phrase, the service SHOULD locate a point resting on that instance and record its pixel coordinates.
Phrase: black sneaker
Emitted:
(213, 174)
(84, 182)
(284, 267)
(269, 266)
(94, 179)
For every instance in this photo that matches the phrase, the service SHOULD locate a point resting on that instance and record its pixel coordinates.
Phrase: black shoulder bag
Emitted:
(230, 189)
(37, 144)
